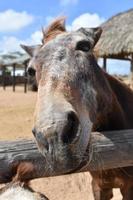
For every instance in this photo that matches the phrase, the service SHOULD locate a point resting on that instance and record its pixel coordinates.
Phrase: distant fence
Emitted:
(8, 80)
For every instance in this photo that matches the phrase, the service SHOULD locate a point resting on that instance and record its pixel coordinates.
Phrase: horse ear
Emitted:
(93, 34)
(55, 28)
(31, 49)
(97, 33)
(57, 25)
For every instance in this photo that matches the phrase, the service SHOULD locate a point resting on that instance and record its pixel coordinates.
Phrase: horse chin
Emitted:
(62, 159)
(62, 164)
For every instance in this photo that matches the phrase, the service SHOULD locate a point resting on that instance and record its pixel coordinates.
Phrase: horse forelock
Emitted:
(56, 27)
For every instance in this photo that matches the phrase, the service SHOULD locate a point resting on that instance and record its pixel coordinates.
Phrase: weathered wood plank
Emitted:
(107, 150)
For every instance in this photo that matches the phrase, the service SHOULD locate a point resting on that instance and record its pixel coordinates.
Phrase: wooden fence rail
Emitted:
(107, 150)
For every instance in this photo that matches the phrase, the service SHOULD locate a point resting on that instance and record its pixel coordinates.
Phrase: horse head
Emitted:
(72, 93)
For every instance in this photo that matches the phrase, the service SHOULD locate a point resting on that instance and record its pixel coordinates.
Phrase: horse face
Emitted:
(66, 104)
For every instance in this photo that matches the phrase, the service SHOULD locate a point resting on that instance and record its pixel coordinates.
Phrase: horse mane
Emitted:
(19, 185)
(123, 93)
(24, 171)
(56, 27)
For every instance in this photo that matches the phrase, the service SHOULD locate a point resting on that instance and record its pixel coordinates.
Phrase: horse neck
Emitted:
(123, 103)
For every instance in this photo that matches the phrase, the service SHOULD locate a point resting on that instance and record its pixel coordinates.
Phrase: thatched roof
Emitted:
(117, 37)
(9, 59)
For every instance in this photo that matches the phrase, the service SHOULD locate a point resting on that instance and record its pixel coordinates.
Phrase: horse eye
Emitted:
(83, 45)
(31, 71)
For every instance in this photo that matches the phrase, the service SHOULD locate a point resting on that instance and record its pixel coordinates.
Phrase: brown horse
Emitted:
(76, 97)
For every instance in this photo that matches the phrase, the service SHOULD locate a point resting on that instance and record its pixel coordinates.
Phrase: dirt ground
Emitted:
(16, 119)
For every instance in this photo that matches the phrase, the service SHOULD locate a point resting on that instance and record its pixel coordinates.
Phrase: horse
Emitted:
(20, 189)
(76, 97)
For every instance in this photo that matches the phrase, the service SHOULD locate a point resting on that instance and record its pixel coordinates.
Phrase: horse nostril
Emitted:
(41, 139)
(31, 71)
(70, 129)
(46, 144)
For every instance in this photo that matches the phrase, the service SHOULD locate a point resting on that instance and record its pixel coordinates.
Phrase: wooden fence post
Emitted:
(25, 77)
(14, 77)
(131, 72)
(3, 78)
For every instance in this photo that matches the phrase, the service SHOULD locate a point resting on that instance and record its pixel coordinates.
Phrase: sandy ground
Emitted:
(16, 119)
(16, 113)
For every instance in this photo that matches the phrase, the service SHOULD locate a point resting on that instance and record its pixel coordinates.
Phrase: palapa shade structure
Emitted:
(14, 60)
(117, 38)
(10, 60)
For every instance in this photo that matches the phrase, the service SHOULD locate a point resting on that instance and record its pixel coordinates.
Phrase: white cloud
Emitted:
(12, 44)
(8, 44)
(11, 20)
(36, 37)
(87, 20)
(67, 2)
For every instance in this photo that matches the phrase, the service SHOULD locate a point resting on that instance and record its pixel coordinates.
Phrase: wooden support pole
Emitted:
(108, 150)
(131, 72)
(25, 78)
(14, 77)
(3, 78)
(105, 64)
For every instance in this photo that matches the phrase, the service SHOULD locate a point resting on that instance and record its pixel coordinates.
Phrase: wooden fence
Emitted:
(107, 150)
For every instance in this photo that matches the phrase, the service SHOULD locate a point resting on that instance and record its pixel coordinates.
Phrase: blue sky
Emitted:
(21, 21)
